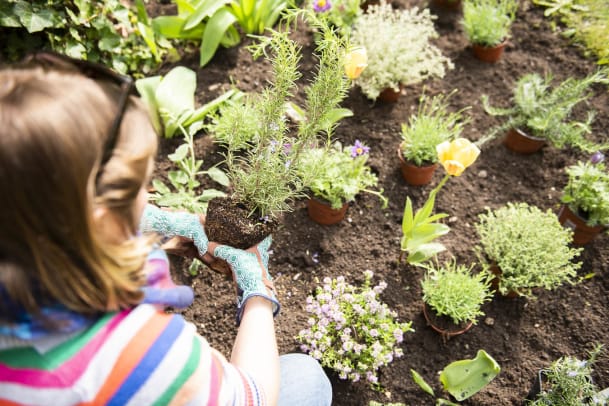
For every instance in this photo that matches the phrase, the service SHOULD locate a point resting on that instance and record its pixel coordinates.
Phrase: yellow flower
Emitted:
(355, 62)
(457, 155)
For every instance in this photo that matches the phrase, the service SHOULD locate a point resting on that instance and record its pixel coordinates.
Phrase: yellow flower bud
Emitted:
(355, 62)
(457, 155)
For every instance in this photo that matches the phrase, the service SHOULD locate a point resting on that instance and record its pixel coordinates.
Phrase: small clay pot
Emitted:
(518, 141)
(444, 325)
(416, 175)
(488, 54)
(582, 232)
(390, 95)
(322, 212)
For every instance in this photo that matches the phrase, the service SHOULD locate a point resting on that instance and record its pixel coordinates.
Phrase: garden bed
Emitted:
(522, 335)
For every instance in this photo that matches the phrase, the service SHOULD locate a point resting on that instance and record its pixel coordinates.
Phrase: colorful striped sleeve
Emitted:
(136, 357)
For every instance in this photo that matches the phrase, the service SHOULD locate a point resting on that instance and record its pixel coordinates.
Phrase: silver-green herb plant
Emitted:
(350, 330)
(342, 173)
(568, 381)
(530, 248)
(400, 52)
(432, 124)
(185, 193)
(587, 192)
(543, 111)
(454, 290)
(263, 154)
(488, 22)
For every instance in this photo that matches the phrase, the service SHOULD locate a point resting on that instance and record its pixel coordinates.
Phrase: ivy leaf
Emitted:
(31, 20)
(8, 17)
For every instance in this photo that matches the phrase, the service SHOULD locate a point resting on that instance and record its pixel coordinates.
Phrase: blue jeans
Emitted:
(303, 382)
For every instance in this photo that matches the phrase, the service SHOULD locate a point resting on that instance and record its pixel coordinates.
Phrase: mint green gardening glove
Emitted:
(174, 224)
(250, 272)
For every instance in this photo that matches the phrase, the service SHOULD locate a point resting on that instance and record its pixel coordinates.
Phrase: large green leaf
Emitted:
(147, 89)
(218, 176)
(465, 378)
(176, 92)
(206, 9)
(217, 25)
(169, 26)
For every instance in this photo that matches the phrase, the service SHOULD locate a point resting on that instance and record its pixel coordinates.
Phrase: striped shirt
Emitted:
(140, 356)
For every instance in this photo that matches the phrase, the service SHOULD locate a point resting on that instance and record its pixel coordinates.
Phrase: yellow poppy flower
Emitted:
(355, 62)
(457, 155)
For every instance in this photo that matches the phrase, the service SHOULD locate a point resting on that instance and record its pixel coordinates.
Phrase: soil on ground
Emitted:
(523, 335)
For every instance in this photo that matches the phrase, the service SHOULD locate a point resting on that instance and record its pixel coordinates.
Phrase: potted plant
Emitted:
(341, 173)
(568, 381)
(487, 26)
(453, 297)
(541, 114)
(399, 50)
(350, 330)
(432, 125)
(585, 200)
(526, 249)
(262, 152)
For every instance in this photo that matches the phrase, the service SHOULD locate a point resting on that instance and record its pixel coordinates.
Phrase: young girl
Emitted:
(80, 286)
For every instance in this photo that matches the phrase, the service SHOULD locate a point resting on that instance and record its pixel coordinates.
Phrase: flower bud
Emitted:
(457, 155)
(597, 157)
(355, 62)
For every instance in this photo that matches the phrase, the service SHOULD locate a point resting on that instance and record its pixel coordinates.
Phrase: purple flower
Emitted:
(321, 5)
(359, 149)
(597, 157)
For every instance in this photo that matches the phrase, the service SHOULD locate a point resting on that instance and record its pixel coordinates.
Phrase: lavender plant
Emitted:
(350, 330)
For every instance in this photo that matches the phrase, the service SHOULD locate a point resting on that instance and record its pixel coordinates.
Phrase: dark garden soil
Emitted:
(522, 335)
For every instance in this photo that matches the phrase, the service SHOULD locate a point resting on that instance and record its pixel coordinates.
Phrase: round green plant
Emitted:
(587, 192)
(454, 291)
(488, 22)
(530, 248)
(431, 125)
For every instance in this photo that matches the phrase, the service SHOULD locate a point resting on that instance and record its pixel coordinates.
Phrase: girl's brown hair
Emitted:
(53, 126)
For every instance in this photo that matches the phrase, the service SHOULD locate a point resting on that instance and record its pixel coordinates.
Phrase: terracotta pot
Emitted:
(390, 95)
(322, 212)
(364, 5)
(582, 232)
(495, 283)
(517, 141)
(443, 324)
(416, 175)
(446, 4)
(488, 54)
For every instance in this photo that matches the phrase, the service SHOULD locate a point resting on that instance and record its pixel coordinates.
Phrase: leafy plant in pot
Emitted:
(540, 114)
(342, 173)
(453, 297)
(586, 200)
(487, 25)
(399, 50)
(567, 381)
(263, 153)
(526, 248)
(432, 125)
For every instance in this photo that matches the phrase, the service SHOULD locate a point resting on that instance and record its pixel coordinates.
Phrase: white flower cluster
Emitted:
(350, 330)
(399, 48)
